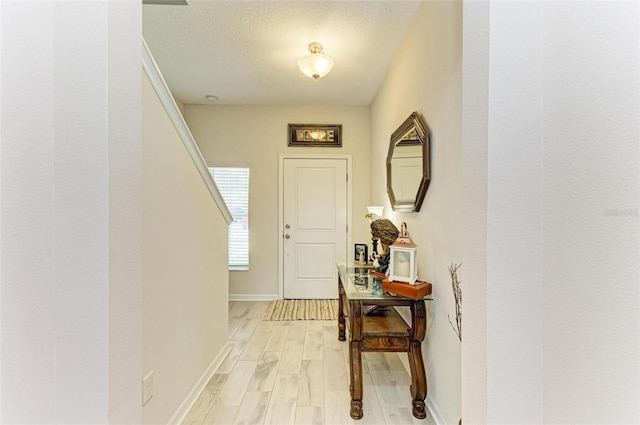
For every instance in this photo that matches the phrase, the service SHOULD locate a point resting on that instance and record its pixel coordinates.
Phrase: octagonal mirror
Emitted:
(408, 173)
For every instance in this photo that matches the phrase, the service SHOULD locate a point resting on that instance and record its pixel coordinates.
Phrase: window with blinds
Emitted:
(233, 184)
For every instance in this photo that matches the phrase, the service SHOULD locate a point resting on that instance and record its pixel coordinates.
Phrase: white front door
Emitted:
(314, 226)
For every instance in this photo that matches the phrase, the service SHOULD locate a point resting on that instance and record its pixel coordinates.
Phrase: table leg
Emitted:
(356, 381)
(355, 360)
(416, 363)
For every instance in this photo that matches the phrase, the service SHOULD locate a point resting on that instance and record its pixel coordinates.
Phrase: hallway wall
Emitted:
(256, 136)
(70, 212)
(552, 90)
(185, 291)
(426, 76)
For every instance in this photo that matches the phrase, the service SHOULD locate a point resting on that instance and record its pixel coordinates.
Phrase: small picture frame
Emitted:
(361, 253)
(315, 135)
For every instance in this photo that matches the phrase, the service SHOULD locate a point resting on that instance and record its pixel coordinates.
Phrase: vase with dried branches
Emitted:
(457, 295)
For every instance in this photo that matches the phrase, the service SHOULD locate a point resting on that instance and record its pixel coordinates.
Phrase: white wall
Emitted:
(474, 206)
(185, 298)
(256, 136)
(591, 201)
(71, 170)
(515, 221)
(562, 170)
(426, 76)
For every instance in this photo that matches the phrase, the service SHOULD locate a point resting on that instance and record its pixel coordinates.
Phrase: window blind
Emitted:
(233, 184)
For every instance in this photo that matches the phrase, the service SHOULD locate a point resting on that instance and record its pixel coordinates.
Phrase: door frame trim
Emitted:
(281, 160)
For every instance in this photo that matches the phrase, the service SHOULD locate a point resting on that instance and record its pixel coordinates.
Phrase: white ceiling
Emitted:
(246, 52)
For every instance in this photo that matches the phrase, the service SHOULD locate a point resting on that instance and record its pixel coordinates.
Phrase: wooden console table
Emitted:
(386, 331)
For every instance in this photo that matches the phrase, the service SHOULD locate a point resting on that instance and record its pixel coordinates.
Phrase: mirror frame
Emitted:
(416, 121)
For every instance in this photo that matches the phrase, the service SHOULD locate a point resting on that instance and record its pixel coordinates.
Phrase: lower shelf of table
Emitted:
(384, 331)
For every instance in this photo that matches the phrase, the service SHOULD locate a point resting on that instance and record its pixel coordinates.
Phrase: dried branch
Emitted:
(457, 295)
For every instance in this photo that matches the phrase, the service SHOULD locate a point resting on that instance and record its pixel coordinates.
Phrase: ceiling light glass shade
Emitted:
(317, 64)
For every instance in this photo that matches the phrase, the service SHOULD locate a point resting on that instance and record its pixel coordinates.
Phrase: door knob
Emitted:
(287, 226)
(287, 236)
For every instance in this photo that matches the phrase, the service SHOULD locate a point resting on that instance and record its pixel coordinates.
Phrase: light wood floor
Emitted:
(297, 373)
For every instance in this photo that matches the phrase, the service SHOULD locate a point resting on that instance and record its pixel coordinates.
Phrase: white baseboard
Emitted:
(434, 412)
(431, 407)
(182, 411)
(253, 297)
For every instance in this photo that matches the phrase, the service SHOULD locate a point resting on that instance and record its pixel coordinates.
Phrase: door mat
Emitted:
(301, 310)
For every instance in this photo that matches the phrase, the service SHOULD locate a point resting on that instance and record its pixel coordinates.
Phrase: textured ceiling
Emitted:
(246, 52)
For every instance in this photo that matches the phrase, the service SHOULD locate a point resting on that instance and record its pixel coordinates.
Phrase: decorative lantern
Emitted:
(402, 261)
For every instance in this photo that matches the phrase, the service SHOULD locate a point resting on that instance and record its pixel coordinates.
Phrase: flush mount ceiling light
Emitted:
(317, 64)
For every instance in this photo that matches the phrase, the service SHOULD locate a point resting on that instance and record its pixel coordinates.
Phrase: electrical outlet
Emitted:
(147, 388)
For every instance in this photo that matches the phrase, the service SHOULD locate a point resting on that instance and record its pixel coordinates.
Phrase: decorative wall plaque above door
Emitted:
(315, 135)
